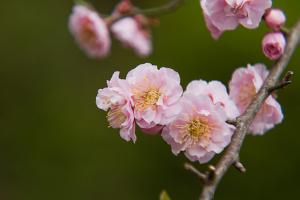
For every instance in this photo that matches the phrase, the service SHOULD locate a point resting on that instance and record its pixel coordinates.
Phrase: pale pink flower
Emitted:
(131, 32)
(200, 129)
(116, 100)
(217, 92)
(90, 31)
(214, 31)
(275, 19)
(154, 130)
(155, 93)
(244, 85)
(273, 45)
(222, 15)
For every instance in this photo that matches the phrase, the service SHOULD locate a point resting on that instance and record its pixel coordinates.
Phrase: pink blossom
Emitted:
(116, 100)
(90, 31)
(131, 32)
(244, 85)
(273, 45)
(222, 15)
(199, 129)
(217, 92)
(214, 31)
(154, 130)
(155, 93)
(275, 19)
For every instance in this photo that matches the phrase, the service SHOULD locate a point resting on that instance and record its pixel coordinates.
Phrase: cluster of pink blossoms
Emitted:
(193, 121)
(223, 15)
(148, 95)
(92, 32)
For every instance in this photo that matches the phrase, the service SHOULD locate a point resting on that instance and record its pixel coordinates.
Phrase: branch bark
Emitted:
(231, 155)
(164, 9)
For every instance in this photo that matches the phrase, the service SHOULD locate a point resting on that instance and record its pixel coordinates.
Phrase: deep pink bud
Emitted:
(275, 19)
(124, 7)
(273, 45)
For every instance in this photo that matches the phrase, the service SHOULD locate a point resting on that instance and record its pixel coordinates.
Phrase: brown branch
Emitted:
(164, 9)
(231, 155)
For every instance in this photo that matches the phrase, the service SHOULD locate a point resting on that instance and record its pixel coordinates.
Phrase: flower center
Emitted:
(273, 49)
(197, 128)
(238, 8)
(147, 99)
(87, 33)
(115, 117)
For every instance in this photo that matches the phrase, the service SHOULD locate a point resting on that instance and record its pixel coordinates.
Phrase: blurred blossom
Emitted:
(214, 31)
(244, 85)
(124, 7)
(222, 15)
(90, 31)
(273, 45)
(133, 34)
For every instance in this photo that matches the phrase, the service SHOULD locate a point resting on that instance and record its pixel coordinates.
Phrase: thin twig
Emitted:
(192, 169)
(287, 80)
(232, 122)
(239, 166)
(231, 155)
(164, 9)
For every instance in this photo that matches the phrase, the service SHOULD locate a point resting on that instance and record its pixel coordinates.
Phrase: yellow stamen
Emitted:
(197, 128)
(146, 99)
(88, 35)
(115, 117)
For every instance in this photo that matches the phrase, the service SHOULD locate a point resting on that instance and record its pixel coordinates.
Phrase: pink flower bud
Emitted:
(124, 7)
(275, 19)
(273, 45)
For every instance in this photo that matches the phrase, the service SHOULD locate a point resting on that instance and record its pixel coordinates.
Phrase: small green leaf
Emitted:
(164, 196)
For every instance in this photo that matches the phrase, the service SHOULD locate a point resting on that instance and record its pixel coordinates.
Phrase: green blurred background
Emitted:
(55, 144)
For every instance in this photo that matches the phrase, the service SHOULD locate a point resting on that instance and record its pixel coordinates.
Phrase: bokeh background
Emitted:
(55, 144)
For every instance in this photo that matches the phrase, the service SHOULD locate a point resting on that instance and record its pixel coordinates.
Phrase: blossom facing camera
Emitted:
(90, 31)
(222, 15)
(199, 129)
(275, 19)
(244, 85)
(217, 92)
(116, 100)
(155, 93)
(133, 34)
(273, 45)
